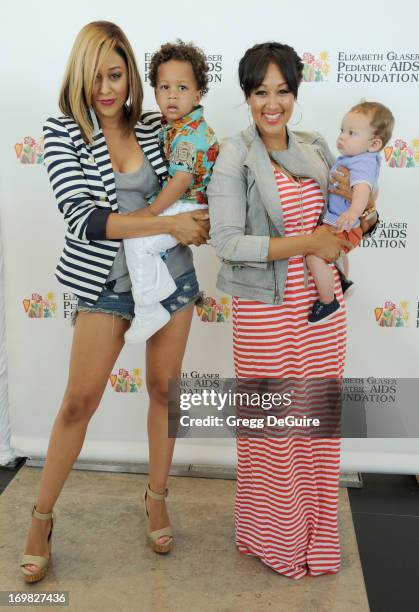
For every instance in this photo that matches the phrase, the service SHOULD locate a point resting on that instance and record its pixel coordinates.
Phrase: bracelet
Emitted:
(373, 228)
(367, 214)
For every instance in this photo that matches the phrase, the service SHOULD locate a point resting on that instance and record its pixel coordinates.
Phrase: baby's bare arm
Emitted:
(174, 189)
(360, 197)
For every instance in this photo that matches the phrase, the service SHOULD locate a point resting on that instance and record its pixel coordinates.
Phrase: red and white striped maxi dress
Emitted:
(287, 488)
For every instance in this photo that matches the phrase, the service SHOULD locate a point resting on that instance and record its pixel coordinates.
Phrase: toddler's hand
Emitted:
(346, 221)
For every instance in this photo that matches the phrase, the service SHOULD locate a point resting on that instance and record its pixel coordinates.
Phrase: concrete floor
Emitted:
(99, 551)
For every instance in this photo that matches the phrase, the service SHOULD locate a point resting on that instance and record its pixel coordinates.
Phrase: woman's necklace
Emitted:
(297, 181)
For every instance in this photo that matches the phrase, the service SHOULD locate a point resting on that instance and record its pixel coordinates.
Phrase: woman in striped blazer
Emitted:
(102, 153)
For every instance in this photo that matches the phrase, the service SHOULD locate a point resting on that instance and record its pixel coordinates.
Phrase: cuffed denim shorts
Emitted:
(122, 304)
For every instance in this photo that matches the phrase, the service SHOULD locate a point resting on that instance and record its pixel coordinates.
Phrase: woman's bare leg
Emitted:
(165, 351)
(97, 341)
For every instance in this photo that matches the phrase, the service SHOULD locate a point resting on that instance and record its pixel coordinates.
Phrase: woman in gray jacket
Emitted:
(266, 196)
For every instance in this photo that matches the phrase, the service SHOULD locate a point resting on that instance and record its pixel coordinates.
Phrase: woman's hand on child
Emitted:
(191, 227)
(339, 183)
(326, 244)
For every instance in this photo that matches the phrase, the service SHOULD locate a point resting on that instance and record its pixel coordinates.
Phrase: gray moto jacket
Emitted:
(245, 211)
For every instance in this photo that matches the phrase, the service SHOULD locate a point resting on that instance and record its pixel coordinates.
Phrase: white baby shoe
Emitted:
(147, 320)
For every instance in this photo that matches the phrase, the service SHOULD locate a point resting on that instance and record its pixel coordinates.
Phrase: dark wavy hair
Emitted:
(183, 52)
(254, 63)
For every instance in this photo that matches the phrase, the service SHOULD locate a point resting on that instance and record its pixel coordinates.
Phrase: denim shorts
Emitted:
(122, 304)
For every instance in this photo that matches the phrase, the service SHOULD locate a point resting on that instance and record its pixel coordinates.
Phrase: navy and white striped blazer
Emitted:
(83, 181)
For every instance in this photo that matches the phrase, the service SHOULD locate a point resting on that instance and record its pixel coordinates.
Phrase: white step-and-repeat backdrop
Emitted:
(349, 53)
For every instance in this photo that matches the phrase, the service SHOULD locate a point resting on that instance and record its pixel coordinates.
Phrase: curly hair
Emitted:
(182, 52)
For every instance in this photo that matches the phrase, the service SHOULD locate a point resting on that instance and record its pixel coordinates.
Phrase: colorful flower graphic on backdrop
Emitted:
(30, 151)
(125, 382)
(401, 155)
(211, 311)
(40, 308)
(391, 315)
(316, 68)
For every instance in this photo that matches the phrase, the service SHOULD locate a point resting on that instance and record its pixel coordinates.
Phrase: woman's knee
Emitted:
(78, 406)
(158, 389)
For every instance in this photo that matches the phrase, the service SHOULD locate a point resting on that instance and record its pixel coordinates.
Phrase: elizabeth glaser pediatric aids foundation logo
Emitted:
(366, 66)
(126, 382)
(388, 235)
(200, 380)
(315, 68)
(401, 154)
(391, 315)
(211, 311)
(38, 307)
(30, 151)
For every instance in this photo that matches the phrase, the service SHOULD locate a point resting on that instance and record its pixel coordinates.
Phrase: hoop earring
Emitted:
(300, 117)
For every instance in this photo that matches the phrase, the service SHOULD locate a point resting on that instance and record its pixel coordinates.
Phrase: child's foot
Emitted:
(347, 287)
(346, 284)
(147, 320)
(322, 312)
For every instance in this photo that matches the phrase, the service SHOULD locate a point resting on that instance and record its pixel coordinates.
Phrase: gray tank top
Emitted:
(133, 190)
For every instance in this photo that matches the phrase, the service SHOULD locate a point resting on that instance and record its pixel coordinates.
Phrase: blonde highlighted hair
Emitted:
(92, 45)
